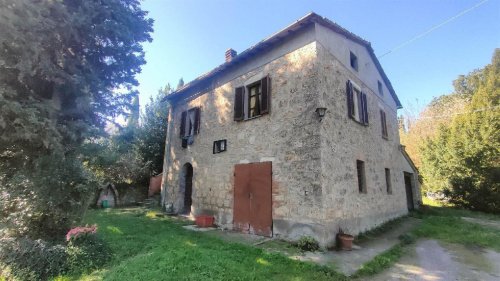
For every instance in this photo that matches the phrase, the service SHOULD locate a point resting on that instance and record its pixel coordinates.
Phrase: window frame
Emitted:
(217, 148)
(388, 182)
(361, 176)
(257, 84)
(242, 98)
(353, 61)
(380, 88)
(358, 98)
(383, 124)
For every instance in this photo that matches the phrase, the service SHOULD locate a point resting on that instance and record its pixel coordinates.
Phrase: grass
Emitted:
(380, 262)
(441, 223)
(447, 225)
(146, 247)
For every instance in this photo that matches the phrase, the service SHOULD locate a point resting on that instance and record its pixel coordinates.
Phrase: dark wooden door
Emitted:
(409, 190)
(253, 198)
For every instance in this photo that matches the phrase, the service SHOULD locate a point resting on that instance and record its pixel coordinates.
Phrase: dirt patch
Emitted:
(433, 260)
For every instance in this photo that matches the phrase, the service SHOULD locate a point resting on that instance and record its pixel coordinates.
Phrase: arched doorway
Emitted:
(187, 188)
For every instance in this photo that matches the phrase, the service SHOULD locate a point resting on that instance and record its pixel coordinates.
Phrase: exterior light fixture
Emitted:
(321, 112)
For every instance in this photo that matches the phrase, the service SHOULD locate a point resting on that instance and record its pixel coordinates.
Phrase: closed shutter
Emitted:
(196, 120)
(365, 109)
(265, 101)
(350, 102)
(183, 123)
(238, 104)
(384, 123)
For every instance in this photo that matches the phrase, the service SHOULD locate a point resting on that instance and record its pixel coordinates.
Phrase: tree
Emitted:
(463, 160)
(153, 132)
(61, 64)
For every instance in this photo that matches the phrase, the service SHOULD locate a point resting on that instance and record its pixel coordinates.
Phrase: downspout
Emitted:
(166, 158)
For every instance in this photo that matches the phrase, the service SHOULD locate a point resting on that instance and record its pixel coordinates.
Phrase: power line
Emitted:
(433, 28)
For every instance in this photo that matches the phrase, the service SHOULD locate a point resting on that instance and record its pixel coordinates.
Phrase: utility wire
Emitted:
(433, 28)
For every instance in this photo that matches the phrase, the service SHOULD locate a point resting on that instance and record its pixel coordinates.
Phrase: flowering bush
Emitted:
(86, 250)
(80, 230)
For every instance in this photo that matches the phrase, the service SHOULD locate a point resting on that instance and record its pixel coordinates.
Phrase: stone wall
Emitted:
(288, 136)
(315, 189)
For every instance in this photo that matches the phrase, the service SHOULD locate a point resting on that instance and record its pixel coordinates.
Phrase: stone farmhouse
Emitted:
(297, 135)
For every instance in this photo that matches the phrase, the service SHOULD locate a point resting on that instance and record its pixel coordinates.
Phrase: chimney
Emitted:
(230, 54)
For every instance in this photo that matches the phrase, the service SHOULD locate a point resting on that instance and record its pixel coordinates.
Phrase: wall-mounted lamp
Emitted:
(321, 112)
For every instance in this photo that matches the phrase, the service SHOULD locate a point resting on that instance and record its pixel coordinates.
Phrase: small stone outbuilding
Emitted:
(297, 135)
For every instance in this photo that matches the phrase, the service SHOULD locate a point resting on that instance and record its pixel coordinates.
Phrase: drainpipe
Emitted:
(166, 158)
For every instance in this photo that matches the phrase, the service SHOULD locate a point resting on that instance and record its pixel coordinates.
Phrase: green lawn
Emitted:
(147, 247)
(151, 248)
(446, 224)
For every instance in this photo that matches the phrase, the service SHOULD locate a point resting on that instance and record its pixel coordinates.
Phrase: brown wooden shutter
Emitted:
(365, 109)
(384, 123)
(238, 104)
(265, 101)
(196, 120)
(350, 101)
(183, 123)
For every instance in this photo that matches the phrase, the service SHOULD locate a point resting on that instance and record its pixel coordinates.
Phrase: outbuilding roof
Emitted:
(273, 40)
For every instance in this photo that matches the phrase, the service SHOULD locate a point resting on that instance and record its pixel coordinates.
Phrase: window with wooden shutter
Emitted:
(357, 103)
(265, 101)
(183, 124)
(383, 121)
(239, 104)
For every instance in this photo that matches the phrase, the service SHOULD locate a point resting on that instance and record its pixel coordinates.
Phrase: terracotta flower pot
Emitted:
(346, 241)
(204, 221)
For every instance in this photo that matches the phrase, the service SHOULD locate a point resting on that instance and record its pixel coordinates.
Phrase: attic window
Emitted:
(380, 89)
(354, 61)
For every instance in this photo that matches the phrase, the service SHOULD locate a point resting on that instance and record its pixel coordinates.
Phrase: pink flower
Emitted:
(79, 230)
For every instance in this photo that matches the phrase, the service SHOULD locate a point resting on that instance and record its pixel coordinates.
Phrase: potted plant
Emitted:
(345, 240)
(204, 221)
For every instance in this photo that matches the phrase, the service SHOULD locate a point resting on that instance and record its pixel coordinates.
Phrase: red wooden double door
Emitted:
(253, 198)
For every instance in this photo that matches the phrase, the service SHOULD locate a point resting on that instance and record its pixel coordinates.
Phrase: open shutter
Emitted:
(265, 101)
(183, 123)
(350, 102)
(238, 104)
(365, 109)
(196, 120)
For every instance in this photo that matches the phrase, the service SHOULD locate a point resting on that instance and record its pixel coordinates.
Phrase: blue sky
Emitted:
(191, 36)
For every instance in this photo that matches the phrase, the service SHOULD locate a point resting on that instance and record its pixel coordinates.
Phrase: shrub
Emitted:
(27, 259)
(80, 230)
(87, 251)
(307, 243)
